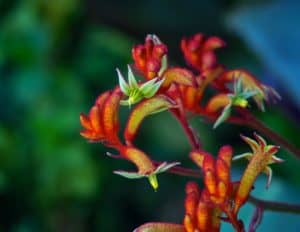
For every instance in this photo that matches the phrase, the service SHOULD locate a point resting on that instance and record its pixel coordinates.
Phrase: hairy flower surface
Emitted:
(150, 58)
(199, 51)
(102, 124)
(259, 160)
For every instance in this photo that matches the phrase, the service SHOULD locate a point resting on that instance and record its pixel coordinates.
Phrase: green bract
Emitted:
(151, 176)
(134, 91)
(238, 98)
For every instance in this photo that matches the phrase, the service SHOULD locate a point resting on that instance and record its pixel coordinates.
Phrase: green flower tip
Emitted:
(238, 98)
(152, 177)
(153, 181)
(134, 91)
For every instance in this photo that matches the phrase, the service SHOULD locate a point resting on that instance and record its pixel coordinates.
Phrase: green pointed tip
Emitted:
(122, 83)
(223, 117)
(129, 175)
(164, 65)
(242, 156)
(150, 88)
(131, 79)
(165, 167)
(147, 88)
(153, 181)
(238, 86)
(154, 38)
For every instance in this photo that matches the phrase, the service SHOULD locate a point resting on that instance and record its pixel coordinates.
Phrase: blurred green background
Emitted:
(56, 57)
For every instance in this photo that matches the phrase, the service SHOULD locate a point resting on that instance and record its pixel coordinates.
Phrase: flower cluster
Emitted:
(221, 198)
(180, 90)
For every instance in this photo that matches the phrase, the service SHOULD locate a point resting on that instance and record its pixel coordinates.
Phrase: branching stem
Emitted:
(275, 205)
(258, 125)
(192, 137)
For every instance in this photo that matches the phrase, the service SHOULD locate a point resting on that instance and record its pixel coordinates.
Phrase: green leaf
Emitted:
(131, 79)
(129, 175)
(154, 88)
(122, 83)
(164, 65)
(241, 156)
(146, 88)
(224, 115)
(165, 167)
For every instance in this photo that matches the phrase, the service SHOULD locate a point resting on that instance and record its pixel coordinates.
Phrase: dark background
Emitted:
(56, 57)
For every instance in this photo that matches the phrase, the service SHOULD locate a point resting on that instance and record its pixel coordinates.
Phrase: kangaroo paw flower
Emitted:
(260, 158)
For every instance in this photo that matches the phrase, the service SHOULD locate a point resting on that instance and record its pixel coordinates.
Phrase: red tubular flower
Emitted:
(92, 123)
(216, 173)
(139, 158)
(191, 202)
(200, 214)
(217, 197)
(191, 94)
(199, 51)
(150, 58)
(143, 109)
(102, 125)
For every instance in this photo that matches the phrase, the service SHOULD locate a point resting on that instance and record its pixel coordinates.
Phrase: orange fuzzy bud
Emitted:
(143, 109)
(179, 76)
(92, 122)
(199, 51)
(217, 102)
(191, 202)
(110, 116)
(149, 57)
(139, 158)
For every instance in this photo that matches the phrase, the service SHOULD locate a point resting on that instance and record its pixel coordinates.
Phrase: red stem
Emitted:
(246, 118)
(266, 205)
(192, 137)
(175, 170)
(238, 225)
(256, 219)
(258, 125)
(275, 206)
(182, 171)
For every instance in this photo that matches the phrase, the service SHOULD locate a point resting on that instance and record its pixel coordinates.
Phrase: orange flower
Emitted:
(200, 213)
(146, 107)
(150, 58)
(217, 196)
(92, 123)
(199, 51)
(102, 124)
(216, 173)
(259, 160)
